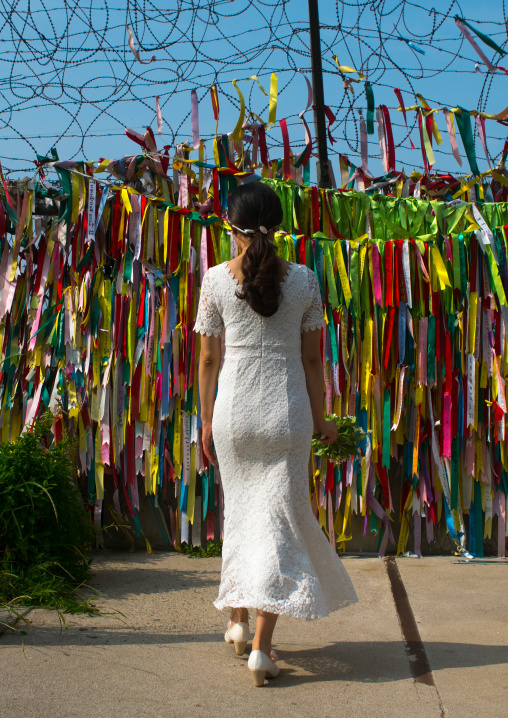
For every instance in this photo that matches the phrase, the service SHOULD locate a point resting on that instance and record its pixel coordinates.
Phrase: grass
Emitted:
(45, 533)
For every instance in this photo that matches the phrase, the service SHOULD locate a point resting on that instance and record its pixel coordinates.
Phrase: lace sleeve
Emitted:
(208, 318)
(313, 315)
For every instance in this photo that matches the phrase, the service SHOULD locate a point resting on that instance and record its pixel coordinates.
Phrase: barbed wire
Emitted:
(71, 79)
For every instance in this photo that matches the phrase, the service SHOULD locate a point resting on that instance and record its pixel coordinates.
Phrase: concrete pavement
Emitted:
(166, 658)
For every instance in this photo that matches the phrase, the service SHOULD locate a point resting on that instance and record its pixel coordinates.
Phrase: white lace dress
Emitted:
(275, 557)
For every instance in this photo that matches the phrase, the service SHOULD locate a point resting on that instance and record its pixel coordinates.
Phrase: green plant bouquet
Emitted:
(349, 438)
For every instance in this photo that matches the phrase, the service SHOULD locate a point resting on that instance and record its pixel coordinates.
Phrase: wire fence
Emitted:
(76, 73)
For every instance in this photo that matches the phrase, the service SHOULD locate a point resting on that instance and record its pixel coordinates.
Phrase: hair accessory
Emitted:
(261, 229)
(243, 231)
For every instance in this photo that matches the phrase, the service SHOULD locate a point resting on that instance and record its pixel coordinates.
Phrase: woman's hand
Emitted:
(328, 431)
(206, 439)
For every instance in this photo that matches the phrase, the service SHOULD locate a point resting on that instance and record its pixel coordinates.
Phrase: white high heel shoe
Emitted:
(261, 665)
(239, 634)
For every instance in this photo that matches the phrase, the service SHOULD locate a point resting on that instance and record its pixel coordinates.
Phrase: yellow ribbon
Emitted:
(435, 129)
(442, 274)
(273, 100)
(346, 69)
(238, 131)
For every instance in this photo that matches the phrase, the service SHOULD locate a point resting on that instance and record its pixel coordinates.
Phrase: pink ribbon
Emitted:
(480, 123)
(195, 119)
(470, 39)
(402, 107)
(136, 52)
(364, 146)
(381, 135)
(159, 115)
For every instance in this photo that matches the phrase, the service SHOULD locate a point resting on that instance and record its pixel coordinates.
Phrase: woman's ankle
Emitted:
(239, 615)
(261, 646)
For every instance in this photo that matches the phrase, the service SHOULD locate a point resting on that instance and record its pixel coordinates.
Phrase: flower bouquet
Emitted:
(349, 438)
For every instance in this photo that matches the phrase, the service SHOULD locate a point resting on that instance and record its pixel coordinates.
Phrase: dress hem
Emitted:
(222, 605)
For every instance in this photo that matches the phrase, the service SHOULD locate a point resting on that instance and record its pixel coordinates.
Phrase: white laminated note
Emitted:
(488, 501)
(91, 210)
(336, 379)
(501, 399)
(487, 332)
(478, 329)
(471, 376)
(136, 223)
(486, 235)
(407, 272)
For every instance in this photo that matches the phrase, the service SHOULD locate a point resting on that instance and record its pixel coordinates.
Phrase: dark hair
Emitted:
(252, 206)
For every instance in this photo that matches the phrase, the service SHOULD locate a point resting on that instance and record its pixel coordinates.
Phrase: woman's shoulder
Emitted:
(213, 272)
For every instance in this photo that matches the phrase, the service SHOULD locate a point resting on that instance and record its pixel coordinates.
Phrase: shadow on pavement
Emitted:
(366, 662)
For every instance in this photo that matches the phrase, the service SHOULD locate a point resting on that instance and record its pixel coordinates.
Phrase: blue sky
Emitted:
(68, 73)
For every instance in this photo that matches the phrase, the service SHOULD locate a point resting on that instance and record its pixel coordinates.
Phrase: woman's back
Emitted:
(249, 333)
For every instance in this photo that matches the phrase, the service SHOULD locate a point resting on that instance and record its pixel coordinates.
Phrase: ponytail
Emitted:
(256, 208)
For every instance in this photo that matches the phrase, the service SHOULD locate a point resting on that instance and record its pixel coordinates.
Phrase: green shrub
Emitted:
(44, 529)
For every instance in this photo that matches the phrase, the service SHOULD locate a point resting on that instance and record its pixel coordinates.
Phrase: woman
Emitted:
(275, 558)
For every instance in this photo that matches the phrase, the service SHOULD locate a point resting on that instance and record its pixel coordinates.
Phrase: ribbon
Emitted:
(451, 135)
(136, 52)
(158, 114)
(403, 110)
(285, 140)
(195, 119)
(464, 124)
(382, 138)
(370, 108)
(346, 69)
(238, 131)
(462, 27)
(480, 123)
(273, 100)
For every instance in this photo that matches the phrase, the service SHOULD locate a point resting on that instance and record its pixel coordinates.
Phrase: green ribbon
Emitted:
(464, 125)
(332, 287)
(370, 108)
(463, 275)
(484, 38)
(333, 336)
(386, 430)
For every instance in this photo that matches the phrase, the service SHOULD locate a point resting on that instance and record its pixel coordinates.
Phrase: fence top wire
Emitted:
(71, 78)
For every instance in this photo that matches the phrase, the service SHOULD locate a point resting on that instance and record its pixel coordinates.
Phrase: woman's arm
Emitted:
(313, 367)
(209, 364)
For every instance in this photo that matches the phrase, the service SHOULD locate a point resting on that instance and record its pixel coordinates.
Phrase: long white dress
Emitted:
(275, 556)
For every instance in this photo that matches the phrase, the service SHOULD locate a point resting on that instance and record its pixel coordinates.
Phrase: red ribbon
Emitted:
(316, 217)
(388, 336)
(215, 102)
(424, 153)
(402, 107)
(389, 138)
(216, 199)
(285, 142)
(262, 146)
(388, 274)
